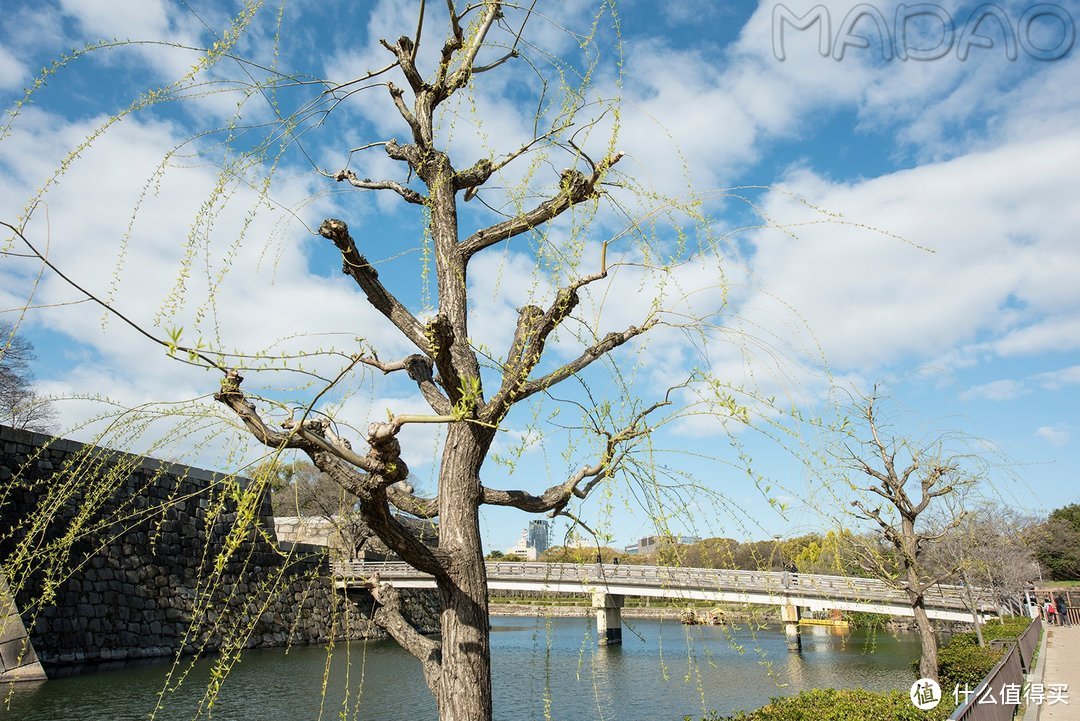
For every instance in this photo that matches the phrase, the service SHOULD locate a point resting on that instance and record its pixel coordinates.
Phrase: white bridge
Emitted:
(610, 583)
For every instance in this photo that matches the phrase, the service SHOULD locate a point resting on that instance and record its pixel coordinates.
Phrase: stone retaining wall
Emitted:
(114, 556)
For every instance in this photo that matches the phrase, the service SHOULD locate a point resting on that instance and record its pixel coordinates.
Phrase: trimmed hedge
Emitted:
(963, 664)
(829, 704)
(962, 661)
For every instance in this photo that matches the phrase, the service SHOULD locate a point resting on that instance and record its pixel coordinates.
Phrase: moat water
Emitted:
(541, 668)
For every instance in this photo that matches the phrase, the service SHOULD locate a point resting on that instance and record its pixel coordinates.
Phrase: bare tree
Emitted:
(470, 390)
(20, 405)
(910, 478)
(446, 368)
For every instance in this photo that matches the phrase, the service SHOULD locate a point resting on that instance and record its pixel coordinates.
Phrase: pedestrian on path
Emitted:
(1062, 612)
(1051, 611)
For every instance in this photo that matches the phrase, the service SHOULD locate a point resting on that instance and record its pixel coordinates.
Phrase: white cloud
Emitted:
(1056, 380)
(1002, 390)
(268, 293)
(1055, 436)
(991, 220)
(13, 72)
(124, 19)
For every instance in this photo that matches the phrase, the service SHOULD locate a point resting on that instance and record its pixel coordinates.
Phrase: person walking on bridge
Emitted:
(1062, 611)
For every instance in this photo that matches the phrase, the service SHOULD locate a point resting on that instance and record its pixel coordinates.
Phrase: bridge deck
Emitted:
(811, 591)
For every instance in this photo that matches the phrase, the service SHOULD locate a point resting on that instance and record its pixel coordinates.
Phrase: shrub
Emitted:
(827, 704)
(962, 664)
(963, 661)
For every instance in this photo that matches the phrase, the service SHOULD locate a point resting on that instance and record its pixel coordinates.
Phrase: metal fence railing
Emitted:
(1000, 693)
(1028, 642)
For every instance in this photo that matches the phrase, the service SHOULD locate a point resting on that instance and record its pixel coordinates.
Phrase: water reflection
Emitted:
(542, 668)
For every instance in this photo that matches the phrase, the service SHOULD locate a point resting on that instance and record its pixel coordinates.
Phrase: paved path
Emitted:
(1063, 666)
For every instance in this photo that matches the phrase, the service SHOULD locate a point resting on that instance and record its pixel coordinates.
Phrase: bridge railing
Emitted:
(674, 577)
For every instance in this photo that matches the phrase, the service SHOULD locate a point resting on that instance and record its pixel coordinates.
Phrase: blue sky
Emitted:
(905, 222)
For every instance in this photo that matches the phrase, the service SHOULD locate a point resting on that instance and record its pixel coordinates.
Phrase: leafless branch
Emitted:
(598, 350)
(556, 497)
(407, 193)
(389, 617)
(357, 266)
(574, 187)
(419, 369)
(530, 338)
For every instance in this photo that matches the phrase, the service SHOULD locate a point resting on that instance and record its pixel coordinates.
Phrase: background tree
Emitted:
(20, 405)
(1057, 543)
(908, 479)
(986, 547)
(300, 489)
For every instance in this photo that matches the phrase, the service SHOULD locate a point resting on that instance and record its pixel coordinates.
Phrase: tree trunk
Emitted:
(928, 662)
(465, 683)
(974, 609)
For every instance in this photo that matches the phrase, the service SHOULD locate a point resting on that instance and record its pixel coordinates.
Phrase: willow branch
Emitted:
(93, 298)
(481, 171)
(461, 77)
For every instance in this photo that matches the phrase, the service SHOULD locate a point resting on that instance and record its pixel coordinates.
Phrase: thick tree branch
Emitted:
(299, 436)
(440, 337)
(598, 350)
(405, 50)
(383, 468)
(390, 617)
(357, 266)
(372, 490)
(405, 153)
(452, 44)
(554, 498)
(410, 118)
(367, 184)
(461, 76)
(530, 338)
(402, 497)
(574, 187)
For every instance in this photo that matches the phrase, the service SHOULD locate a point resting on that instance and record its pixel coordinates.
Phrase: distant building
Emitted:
(539, 535)
(535, 539)
(650, 544)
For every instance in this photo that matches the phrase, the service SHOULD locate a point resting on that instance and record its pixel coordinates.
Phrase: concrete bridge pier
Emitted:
(789, 614)
(608, 618)
(18, 662)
